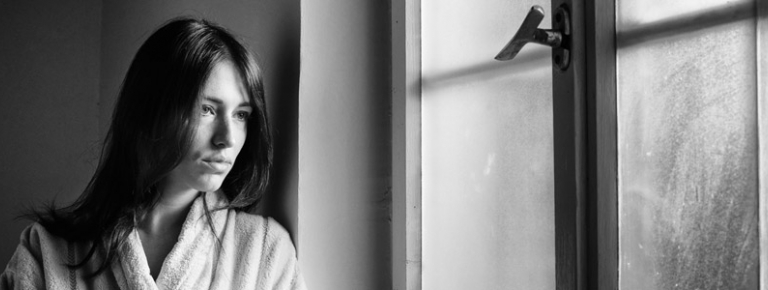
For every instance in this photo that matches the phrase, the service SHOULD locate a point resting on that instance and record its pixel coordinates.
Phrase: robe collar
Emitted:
(190, 256)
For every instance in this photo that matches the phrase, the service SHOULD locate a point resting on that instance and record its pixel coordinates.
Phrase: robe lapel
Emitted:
(132, 272)
(190, 262)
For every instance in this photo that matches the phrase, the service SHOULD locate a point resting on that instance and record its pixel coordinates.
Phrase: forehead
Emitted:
(225, 84)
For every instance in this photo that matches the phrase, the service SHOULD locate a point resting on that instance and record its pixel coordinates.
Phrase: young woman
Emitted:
(187, 155)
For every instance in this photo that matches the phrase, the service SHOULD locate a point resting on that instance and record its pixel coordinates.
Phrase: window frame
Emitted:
(762, 135)
(406, 144)
(602, 165)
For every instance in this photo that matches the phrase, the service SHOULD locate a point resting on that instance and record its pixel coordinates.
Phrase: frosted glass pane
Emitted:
(488, 209)
(687, 151)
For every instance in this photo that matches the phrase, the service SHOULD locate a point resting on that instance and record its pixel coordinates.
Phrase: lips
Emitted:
(217, 164)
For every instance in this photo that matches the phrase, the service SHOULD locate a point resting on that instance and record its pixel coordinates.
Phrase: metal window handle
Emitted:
(558, 38)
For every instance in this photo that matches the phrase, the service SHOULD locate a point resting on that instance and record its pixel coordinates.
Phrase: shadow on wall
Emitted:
(283, 104)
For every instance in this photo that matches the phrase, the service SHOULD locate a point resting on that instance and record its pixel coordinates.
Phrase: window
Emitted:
(664, 127)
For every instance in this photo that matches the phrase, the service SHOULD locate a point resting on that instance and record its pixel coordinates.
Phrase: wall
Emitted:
(344, 145)
(49, 72)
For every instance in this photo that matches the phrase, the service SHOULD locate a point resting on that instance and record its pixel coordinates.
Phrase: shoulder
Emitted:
(30, 242)
(36, 242)
(263, 233)
(257, 225)
(275, 252)
(37, 254)
(35, 237)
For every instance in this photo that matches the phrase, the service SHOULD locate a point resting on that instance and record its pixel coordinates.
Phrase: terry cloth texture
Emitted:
(255, 253)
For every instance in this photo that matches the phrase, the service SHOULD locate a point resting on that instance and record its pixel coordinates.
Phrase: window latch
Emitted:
(558, 37)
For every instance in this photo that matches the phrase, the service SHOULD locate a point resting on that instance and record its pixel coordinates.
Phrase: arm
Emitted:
(264, 256)
(282, 256)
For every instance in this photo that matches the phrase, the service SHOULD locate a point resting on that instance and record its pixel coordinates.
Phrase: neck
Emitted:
(160, 226)
(169, 213)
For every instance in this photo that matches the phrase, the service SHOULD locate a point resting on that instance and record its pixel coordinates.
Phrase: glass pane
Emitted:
(488, 208)
(687, 145)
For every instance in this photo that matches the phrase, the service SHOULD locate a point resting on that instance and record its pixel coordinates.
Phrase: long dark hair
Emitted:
(152, 127)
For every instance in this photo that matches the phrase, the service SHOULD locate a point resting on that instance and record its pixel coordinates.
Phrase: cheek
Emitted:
(241, 139)
(200, 143)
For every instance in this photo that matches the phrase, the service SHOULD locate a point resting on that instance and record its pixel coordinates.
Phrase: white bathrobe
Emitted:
(255, 253)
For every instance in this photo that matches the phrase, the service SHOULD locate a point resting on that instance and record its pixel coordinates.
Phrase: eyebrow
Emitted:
(219, 102)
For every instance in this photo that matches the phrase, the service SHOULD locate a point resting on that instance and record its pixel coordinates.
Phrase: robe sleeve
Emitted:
(25, 269)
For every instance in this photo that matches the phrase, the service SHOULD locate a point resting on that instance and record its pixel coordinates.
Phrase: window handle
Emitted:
(558, 38)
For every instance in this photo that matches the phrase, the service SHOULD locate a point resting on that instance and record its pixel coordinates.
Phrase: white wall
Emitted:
(49, 72)
(344, 145)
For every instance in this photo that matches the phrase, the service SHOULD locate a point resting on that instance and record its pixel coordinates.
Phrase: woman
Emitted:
(187, 155)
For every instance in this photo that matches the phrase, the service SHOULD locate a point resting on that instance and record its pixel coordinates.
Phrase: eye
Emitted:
(207, 111)
(243, 115)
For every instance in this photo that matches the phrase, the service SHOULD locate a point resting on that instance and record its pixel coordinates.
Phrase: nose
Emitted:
(223, 137)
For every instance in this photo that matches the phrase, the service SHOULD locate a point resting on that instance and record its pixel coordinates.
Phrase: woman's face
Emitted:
(221, 119)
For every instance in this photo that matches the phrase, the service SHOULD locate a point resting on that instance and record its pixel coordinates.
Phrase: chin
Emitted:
(209, 188)
(210, 184)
